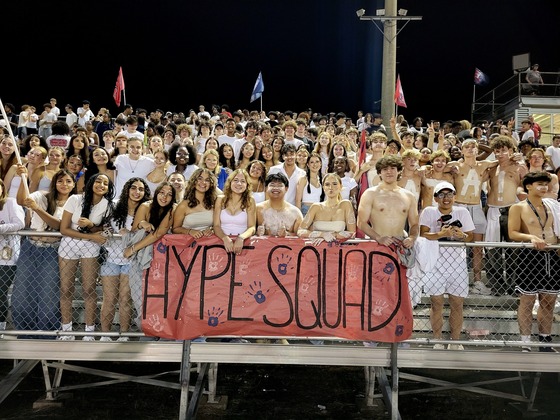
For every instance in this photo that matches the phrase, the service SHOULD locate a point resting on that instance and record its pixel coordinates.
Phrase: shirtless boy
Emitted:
(532, 221)
(276, 216)
(385, 209)
(503, 181)
(468, 182)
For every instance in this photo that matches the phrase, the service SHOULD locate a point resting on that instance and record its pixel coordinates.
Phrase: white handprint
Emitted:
(153, 321)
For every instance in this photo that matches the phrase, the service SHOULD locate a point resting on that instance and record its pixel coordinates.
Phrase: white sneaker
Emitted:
(105, 338)
(123, 339)
(66, 338)
(89, 338)
(439, 346)
(370, 343)
(479, 288)
(455, 347)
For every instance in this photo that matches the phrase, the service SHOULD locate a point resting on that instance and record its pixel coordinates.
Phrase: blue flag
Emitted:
(480, 78)
(258, 89)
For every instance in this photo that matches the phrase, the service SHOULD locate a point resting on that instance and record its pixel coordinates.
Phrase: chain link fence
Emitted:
(45, 287)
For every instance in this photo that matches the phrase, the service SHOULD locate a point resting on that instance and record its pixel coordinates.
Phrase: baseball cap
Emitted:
(443, 186)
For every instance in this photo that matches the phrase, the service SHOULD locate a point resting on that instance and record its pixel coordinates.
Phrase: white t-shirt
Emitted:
(38, 224)
(554, 153)
(348, 184)
(115, 247)
(128, 168)
(74, 205)
(296, 175)
(226, 139)
(58, 140)
(87, 116)
(71, 119)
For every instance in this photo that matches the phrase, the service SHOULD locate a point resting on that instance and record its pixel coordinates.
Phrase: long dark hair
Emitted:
(84, 153)
(93, 169)
(158, 213)
(87, 203)
(209, 196)
(52, 195)
(120, 213)
(224, 162)
(319, 176)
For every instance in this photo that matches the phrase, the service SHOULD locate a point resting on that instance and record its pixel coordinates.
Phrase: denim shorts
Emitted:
(110, 269)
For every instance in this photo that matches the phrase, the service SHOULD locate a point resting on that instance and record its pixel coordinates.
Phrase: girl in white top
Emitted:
(115, 269)
(81, 227)
(182, 158)
(155, 218)
(309, 189)
(11, 220)
(42, 176)
(331, 220)
(257, 175)
(195, 214)
(36, 293)
(235, 212)
(159, 174)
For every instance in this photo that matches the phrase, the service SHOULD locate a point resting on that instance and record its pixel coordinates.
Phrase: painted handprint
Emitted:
(161, 248)
(244, 267)
(214, 262)
(307, 283)
(256, 292)
(214, 316)
(283, 262)
(153, 321)
(156, 271)
(379, 306)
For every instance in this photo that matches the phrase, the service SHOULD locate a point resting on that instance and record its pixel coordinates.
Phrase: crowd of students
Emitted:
(205, 174)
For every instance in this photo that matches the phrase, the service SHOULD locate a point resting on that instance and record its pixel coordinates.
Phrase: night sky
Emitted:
(312, 53)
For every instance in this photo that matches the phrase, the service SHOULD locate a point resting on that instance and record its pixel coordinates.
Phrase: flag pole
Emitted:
(473, 99)
(16, 146)
(261, 102)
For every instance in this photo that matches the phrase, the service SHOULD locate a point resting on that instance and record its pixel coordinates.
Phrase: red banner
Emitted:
(276, 287)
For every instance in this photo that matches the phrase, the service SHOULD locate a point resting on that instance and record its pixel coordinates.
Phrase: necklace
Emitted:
(130, 164)
(539, 217)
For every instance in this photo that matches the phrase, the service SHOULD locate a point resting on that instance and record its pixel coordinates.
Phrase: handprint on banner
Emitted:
(379, 306)
(214, 316)
(156, 271)
(283, 262)
(153, 321)
(399, 330)
(353, 273)
(389, 268)
(244, 267)
(161, 248)
(307, 283)
(214, 262)
(257, 292)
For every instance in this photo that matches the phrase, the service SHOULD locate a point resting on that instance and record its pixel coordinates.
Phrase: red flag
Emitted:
(399, 95)
(364, 179)
(119, 87)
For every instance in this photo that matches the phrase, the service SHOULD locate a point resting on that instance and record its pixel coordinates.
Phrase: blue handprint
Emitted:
(214, 316)
(257, 292)
(161, 248)
(389, 268)
(399, 330)
(283, 262)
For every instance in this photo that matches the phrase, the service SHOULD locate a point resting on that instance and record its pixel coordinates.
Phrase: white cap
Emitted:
(444, 186)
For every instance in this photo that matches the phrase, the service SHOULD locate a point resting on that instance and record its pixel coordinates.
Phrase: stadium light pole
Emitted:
(388, 18)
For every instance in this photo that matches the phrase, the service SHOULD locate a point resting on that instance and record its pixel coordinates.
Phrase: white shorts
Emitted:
(74, 249)
(450, 275)
(477, 215)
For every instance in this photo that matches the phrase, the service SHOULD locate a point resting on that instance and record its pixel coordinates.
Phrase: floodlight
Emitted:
(402, 12)
(380, 12)
(360, 12)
